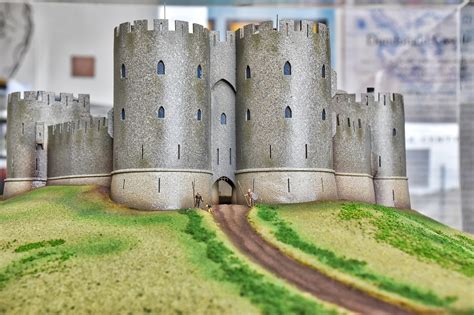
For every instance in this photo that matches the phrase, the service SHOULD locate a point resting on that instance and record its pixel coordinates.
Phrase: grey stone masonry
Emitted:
(27, 138)
(161, 83)
(194, 111)
(79, 150)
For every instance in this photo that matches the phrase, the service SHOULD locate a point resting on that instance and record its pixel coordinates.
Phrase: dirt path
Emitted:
(233, 221)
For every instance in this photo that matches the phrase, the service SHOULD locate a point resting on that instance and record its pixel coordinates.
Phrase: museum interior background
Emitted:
(423, 49)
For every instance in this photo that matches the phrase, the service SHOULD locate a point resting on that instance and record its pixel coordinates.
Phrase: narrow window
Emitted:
(305, 151)
(142, 151)
(122, 115)
(323, 71)
(218, 156)
(385, 99)
(230, 156)
(247, 117)
(123, 184)
(394, 132)
(36, 164)
(289, 188)
(22, 128)
(270, 151)
(393, 195)
(159, 184)
(199, 72)
(288, 113)
(161, 112)
(123, 72)
(248, 73)
(199, 115)
(348, 122)
(380, 161)
(337, 120)
(360, 123)
(287, 68)
(179, 151)
(160, 68)
(322, 184)
(223, 119)
(323, 115)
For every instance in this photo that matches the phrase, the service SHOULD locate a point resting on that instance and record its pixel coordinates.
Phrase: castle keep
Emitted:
(258, 109)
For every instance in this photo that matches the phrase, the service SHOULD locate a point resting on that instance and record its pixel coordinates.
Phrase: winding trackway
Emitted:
(233, 221)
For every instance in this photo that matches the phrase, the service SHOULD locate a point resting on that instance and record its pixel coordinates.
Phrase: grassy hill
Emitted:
(71, 250)
(398, 256)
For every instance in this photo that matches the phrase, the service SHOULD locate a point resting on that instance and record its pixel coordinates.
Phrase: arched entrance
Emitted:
(223, 191)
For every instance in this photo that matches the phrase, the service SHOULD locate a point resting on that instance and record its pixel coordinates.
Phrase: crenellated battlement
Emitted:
(304, 28)
(215, 38)
(94, 124)
(366, 99)
(50, 98)
(159, 26)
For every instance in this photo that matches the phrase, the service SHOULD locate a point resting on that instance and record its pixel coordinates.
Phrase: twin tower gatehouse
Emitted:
(258, 109)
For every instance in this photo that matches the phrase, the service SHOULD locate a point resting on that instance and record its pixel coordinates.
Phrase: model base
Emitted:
(355, 187)
(77, 180)
(159, 190)
(17, 186)
(392, 192)
(287, 186)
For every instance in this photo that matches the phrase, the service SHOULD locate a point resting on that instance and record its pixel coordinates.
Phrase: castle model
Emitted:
(259, 110)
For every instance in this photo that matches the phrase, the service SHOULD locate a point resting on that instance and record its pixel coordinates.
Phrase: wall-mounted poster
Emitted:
(408, 50)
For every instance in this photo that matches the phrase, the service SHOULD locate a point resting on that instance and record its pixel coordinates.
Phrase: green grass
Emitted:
(417, 236)
(271, 298)
(357, 268)
(400, 256)
(36, 245)
(84, 254)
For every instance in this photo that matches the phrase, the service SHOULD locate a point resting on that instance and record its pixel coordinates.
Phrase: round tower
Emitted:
(161, 115)
(27, 138)
(283, 123)
(387, 119)
(351, 147)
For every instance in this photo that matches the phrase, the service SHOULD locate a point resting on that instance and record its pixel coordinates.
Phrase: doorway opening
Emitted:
(223, 191)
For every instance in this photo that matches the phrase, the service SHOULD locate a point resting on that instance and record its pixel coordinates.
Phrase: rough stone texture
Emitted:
(287, 185)
(329, 144)
(223, 146)
(27, 138)
(159, 189)
(355, 187)
(81, 147)
(16, 186)
(269, 140)
(80, 180)
(392, 192)
(143, 140)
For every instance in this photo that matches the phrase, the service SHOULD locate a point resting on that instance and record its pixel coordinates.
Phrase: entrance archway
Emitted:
(223, 191)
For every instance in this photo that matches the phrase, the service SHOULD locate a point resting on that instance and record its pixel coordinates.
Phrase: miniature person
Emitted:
(249, 198)
(197, 200)
(209, 208)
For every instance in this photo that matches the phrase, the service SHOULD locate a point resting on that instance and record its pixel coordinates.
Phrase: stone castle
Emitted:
(258, 110)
